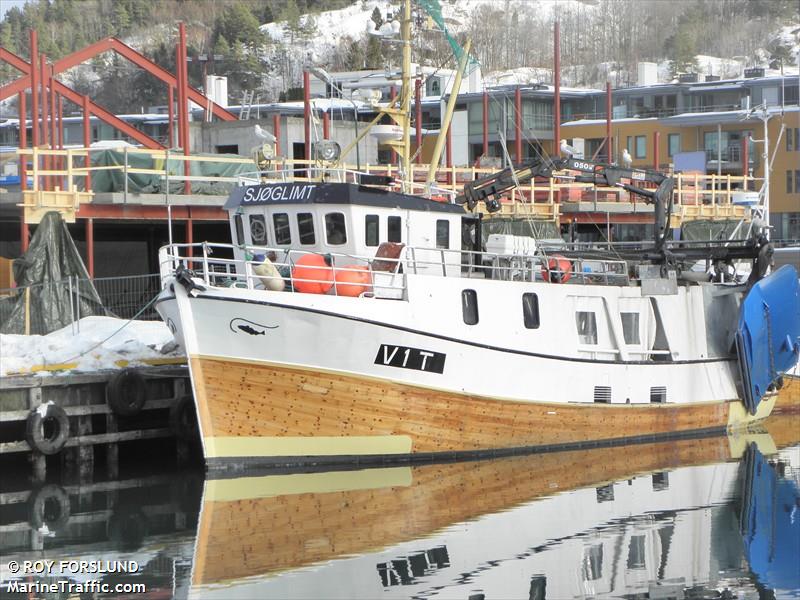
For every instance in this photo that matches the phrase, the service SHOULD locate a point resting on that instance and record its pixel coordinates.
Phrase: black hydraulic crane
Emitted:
(489, 188)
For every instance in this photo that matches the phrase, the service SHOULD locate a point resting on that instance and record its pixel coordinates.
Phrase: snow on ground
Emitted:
(95, 343)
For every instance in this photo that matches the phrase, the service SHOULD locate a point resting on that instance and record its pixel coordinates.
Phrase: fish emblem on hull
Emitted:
(239, 324)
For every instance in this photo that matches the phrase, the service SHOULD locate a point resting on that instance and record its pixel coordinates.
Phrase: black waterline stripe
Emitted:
(458, 341)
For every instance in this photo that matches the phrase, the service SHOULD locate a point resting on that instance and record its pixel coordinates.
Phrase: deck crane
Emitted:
(488, 188)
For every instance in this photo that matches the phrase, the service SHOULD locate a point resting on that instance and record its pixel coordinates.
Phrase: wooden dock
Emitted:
(107, 408)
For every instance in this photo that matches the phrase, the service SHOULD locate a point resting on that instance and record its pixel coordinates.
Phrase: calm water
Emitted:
(708, 518)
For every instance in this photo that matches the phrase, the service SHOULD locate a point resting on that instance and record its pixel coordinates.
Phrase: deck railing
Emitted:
(387, 280)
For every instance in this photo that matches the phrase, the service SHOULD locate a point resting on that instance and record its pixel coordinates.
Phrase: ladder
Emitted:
(247, 105)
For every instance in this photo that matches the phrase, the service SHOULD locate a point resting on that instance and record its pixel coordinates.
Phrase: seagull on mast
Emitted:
(627, 160)
(566, 149)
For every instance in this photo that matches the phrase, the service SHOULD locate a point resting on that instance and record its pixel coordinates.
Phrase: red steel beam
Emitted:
(100, 112)
(307, 113)
(171, 116)
(326, 125)
(276, 131)
(23, 141)
(557, 88)
(34, 82)
(90, 246)
(518, 124)
(609, 149)
(23, 175)
(183, 83)
(92, 50)
(656, 143)
(87, 139)
(485, 123)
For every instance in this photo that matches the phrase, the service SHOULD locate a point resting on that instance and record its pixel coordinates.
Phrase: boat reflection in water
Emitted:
(668, 519)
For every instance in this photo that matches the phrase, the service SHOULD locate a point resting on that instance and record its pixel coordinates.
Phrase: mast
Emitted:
(405, 90)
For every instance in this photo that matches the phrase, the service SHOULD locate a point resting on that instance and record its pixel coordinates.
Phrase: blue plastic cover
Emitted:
(768, 336)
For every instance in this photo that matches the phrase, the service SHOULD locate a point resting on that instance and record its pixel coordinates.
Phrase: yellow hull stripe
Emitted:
(238, 447)
(738, 415)
(246, 488)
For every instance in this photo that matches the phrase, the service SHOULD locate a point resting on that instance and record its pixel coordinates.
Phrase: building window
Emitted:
(673, 144)
(335, 232)
(530, 311)
(630, 327)
(258, 229)
(641, 146)
(789, 189)
(587, 327)
(283, 236)
(371, 230)
(442, 233)
(790, 140)
(305, 227)
(395, 229)
(469, 306)
(797, 182)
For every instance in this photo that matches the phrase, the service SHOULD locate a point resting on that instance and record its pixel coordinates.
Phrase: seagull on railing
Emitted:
(627, 160)
(264, 135)
(566, 149)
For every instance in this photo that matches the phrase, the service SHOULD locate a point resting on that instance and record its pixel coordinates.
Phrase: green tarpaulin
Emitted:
(144, 183)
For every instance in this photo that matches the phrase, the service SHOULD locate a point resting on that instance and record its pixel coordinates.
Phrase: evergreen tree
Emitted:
(377, 18)
(221, 46)
(374, 53)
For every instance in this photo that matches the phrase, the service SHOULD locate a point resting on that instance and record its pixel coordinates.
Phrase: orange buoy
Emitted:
(312, 274)
(557, 270)
(352, 280)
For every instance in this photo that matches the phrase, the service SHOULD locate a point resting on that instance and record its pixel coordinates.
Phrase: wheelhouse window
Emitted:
(283, 235)
(305, 228)
(371, 230)
(395, 229)
(239, 226)
(258, 229)
(530, 311)
(630, 327)
(469, 306)
(442, 233)
(587, 327)
(335, 230)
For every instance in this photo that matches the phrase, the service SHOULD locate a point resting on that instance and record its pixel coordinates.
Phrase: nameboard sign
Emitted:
(283, 192)
(273, 193)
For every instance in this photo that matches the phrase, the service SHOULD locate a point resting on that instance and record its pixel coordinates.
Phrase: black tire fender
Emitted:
(126, 393)
(183, 419)
(49, 506)
(48, 440)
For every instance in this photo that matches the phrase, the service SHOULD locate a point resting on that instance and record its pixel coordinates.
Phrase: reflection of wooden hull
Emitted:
(256, 412)
(262, 525)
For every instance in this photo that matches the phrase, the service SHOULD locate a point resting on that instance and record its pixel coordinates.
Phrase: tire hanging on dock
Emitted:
(47, 429)
(48, 507)
(126, 393)
(183, 419)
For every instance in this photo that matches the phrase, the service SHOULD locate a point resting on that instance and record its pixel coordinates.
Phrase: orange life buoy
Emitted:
(557, 270)
(312, 274)
(352, 280)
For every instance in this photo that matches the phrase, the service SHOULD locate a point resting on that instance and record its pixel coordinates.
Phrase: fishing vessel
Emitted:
(353, 320)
